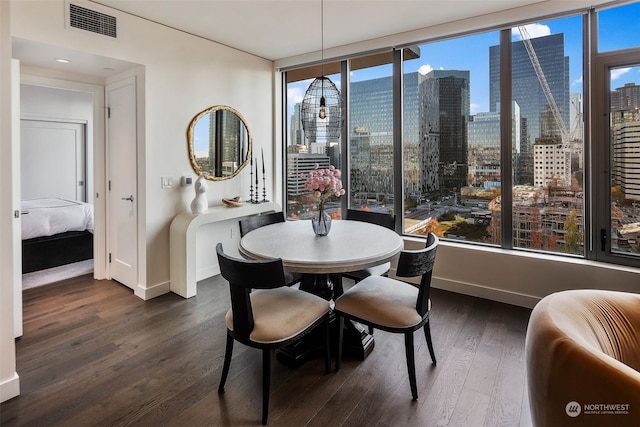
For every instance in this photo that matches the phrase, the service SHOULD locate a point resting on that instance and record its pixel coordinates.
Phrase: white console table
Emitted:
(182, 240)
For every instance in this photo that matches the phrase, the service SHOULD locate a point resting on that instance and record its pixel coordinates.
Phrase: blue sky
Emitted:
(618, 28)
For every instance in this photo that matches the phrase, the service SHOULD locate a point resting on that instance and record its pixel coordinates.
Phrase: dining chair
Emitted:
(393, 305)
(266, 314)
(250, 223)
(382, 219)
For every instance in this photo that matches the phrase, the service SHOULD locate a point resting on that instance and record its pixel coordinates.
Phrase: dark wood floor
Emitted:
(93, 354)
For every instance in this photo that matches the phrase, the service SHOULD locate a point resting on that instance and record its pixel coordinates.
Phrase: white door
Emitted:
(53, 160)
(122, 182)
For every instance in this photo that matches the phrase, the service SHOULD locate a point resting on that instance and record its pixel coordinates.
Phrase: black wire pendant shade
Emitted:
(322, 111)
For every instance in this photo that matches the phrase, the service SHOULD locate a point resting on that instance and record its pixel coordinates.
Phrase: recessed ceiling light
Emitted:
(62, 60)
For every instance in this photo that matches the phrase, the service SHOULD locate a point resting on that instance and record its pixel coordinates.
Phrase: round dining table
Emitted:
(349, 246)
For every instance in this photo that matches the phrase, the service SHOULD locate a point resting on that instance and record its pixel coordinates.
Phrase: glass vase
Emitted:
(321, 223)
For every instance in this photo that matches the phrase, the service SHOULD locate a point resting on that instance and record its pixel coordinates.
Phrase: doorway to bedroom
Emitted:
(56, 178)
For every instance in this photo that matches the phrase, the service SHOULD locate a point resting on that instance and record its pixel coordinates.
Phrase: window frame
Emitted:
(595, 157)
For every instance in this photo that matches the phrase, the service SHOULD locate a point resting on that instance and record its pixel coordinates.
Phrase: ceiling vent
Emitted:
(90, 20)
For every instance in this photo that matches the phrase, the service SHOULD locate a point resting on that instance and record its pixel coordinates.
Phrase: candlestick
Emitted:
(257, 194)
(264, 187)
(251, 183)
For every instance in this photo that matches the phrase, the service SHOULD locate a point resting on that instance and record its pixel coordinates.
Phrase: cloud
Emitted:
(296, 93)
(577, 81)
(619, 72)
(475, 108)
(534, 30)
(425, 69)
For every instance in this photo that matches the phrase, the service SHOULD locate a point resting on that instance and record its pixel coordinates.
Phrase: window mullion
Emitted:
(506, 149)
(345, 143)
(398, 168)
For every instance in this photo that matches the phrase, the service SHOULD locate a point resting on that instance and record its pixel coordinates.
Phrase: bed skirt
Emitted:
(41, 253)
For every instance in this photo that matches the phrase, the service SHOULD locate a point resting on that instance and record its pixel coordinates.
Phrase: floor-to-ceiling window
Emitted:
(371, 137)
(451, 140)
(310, 145)
(548, 155)
(495, 151)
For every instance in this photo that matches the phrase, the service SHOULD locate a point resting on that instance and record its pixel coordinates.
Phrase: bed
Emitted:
(55, 232)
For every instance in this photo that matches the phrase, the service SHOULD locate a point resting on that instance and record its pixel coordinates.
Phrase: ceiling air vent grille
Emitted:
(90, 20)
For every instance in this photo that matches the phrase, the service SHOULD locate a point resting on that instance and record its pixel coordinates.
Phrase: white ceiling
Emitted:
(281, 29)
(277, 29)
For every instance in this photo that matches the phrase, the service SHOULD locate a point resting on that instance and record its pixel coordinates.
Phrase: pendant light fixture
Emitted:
(321, 110)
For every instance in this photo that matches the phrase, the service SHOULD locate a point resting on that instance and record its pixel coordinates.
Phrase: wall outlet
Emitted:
(187, 180)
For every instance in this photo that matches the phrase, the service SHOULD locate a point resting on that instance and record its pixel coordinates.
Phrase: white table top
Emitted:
(350, 246)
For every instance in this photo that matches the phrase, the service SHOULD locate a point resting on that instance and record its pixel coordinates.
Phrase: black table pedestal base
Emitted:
(356, 341)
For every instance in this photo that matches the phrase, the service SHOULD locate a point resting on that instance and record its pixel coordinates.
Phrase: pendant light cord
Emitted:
(322, 42)
(322, 35)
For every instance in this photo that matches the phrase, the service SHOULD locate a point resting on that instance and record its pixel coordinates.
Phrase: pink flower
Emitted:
(323, 183)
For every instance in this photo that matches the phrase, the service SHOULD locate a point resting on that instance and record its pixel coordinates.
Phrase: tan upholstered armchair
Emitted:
(583, 359)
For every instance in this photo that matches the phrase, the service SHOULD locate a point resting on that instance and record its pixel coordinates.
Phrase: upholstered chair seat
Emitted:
(386, 302)
(281, 314)
(583, 353)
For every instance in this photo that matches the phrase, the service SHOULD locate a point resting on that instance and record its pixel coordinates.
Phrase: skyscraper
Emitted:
(526, 88)
(453, 110)
(371, 131)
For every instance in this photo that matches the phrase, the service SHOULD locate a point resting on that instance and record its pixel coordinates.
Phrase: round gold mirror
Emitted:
(219, 143)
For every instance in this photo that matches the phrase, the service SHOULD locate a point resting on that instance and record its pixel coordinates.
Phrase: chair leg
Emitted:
(339, 343)
(227, 362)
(266, 382)
(411, 363)
(427, 334)
(327, 346)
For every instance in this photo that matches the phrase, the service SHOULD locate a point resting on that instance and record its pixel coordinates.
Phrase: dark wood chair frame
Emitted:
(410, 264)
(250, 223)
(244, 276)
(381, 219)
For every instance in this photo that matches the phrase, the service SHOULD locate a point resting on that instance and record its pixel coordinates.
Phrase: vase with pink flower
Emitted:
(323, 184)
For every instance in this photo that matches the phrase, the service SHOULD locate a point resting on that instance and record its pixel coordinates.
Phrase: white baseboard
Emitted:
(485, 292)
(153, 291)
(10, 387)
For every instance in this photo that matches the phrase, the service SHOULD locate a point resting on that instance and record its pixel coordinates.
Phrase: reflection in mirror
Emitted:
(219, 143)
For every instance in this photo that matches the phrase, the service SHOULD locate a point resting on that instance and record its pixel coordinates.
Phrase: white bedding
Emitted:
(49, 216)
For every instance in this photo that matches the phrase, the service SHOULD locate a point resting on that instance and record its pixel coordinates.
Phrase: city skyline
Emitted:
(616, 25)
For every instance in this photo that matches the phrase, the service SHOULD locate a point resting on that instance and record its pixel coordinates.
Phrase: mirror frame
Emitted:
(192, 157)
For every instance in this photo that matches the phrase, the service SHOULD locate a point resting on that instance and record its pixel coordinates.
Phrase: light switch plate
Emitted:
(166, 182)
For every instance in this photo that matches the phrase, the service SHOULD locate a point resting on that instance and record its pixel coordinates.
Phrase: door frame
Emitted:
(95, 155)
